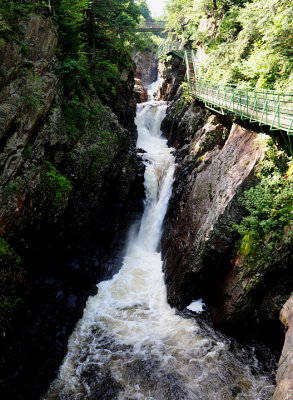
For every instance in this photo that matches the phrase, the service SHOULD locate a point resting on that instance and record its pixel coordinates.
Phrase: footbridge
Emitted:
(267, 107)
(154, 26)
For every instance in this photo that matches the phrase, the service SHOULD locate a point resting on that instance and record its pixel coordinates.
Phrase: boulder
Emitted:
(140, 92)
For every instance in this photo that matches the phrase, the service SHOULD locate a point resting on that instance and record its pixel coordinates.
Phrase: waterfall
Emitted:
(129, 343)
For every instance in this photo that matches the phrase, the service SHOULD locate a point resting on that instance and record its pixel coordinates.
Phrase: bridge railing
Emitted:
(166, 47)
(264, 106)
(152, 26)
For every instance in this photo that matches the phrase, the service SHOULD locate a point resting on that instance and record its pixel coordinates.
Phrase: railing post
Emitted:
(247, 102)
(290, 127)
(240, 102)
(254, 106)
(276, 112)
(264, 108)
(279, 109)
(245, 105)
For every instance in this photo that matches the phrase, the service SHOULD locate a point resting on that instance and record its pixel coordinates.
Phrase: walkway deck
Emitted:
(267, 107)
(155, 26)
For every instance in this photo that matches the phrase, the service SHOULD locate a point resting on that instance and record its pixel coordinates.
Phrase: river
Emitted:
(129, 343)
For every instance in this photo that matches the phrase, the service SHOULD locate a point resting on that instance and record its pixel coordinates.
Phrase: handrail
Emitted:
(265, 106)
(166, 47)
(186, 59)
(151, 26)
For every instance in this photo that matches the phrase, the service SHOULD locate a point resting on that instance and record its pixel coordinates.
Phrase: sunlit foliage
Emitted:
(246, 42)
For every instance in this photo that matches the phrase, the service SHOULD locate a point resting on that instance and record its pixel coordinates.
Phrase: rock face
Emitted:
(140, 92)
(217, 160)
(146, 66)
(198, 240)
(25, 98)
(27, 92)
(173, 74)
(67, 197)
(284, 388)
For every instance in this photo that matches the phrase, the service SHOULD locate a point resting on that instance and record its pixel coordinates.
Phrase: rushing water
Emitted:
(130, 344)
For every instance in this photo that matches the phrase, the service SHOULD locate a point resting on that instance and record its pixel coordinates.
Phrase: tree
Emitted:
(144, 10)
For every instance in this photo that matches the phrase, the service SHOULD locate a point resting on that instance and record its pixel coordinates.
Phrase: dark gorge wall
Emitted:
(71, 183)
(218, 160)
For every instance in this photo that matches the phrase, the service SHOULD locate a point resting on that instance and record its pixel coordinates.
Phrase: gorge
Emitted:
(155, 238)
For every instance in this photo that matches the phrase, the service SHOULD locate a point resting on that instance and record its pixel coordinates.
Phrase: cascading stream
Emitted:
(130, 344)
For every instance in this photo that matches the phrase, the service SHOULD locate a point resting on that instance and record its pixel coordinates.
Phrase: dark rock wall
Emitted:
(217, 159)
(146, 66)
(211, 177)
(140, 91)
(173, 73)
(203, 256)
(66, 201)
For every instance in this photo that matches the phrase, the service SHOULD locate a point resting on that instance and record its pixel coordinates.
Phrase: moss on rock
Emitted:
(56, 187)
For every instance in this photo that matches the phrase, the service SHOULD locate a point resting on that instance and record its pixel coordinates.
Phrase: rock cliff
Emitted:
(172, 73)
(218, 159)
(146, 66)
(71, 183)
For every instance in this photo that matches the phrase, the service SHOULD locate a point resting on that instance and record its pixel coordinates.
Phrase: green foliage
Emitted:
(246, 42)
(69, 15)
(57, 188)
(146, 41)
(11, 12)
(78, 115)
(270, 210)
(185, 99)
(27, 151)
(144, 10)
(96, 39)
(75, 74)
(11, 189)
(108, 143)
(105, 75)
(7, 254)
(32, 93)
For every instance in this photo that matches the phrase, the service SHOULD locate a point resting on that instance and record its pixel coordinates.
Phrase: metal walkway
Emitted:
(267, 107)
(168, 48)
(155, 26)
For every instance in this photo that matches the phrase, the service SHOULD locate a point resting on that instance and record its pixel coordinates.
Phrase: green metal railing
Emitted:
(155, 26)
(167, 47)
(267, 107)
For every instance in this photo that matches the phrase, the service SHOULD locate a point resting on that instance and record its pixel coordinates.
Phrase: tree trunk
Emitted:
(94, 36)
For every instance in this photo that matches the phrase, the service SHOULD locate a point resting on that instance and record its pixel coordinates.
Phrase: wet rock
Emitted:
(255, 298)
(146, 66)
(284, 387)
(140, 92)
(196, 244)
(100, 383)
(216, 163)
(173, 76)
